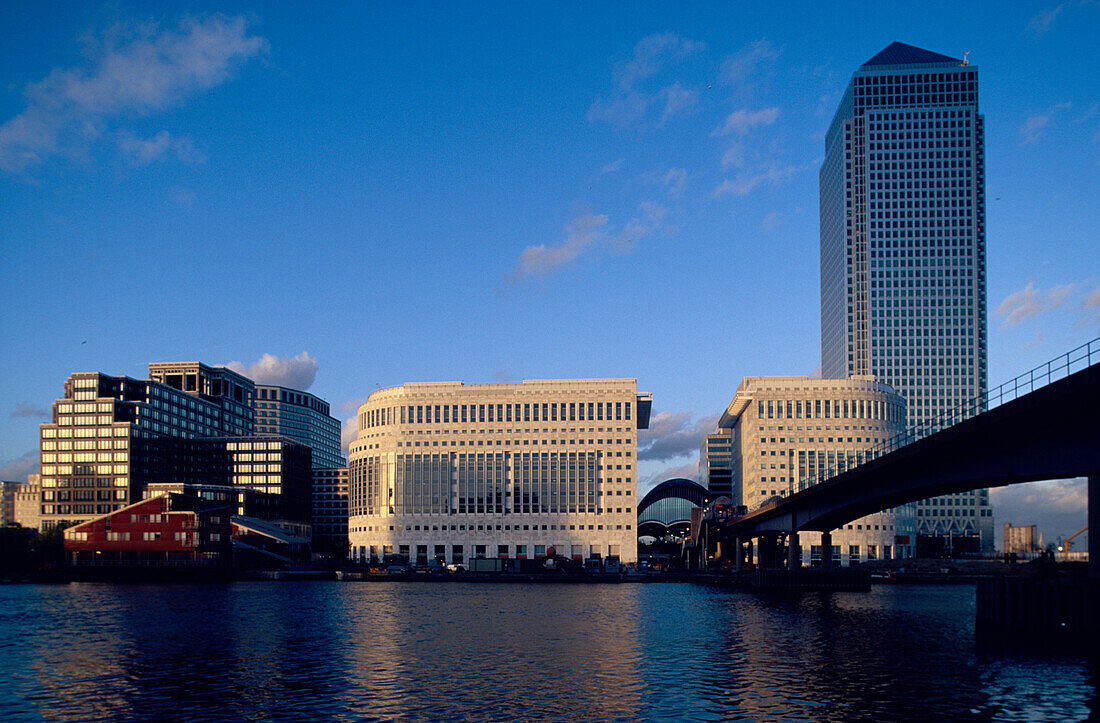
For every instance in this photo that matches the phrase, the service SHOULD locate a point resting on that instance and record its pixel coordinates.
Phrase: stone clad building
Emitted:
(789, 433)
(449, 471)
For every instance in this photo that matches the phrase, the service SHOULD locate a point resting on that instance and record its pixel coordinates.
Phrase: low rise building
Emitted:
(165, 530)
(26, 508)
(449, 471)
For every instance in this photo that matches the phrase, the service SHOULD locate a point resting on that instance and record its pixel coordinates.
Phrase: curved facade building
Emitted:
(449, 471)
(666, 509)
(789, 433)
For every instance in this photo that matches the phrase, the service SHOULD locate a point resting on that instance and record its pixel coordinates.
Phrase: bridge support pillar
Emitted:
(826, 550)
(794, 552)
(749, 552)
(738, 553)
(1094, 516)
(769, 548)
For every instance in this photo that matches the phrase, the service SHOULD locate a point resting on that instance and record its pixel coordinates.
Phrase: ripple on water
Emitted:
(458, 652)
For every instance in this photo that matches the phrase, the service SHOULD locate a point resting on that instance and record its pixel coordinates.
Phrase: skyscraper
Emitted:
(903, 288)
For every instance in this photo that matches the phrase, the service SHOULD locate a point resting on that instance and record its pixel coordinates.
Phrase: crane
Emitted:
(1068, 544)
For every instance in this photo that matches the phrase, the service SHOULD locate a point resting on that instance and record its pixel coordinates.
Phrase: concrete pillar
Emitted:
(768, 550)
(749, 552)
(738, 553)
(1094, 516)
(794, 552)
(826, 550)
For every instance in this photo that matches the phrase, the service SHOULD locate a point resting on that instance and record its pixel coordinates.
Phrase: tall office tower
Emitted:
(903, 288)
(449, 471)
(301, 416)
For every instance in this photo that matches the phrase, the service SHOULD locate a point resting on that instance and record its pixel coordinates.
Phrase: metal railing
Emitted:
(1060, 367)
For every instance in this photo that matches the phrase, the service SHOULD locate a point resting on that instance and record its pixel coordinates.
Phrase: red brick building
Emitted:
(165, 530)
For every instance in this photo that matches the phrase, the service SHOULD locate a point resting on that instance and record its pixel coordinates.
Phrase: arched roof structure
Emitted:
(666, 509)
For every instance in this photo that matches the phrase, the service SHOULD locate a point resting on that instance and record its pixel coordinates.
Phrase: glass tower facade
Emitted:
(902, 219)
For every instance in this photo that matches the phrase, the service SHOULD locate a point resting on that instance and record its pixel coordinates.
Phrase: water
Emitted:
(324, 651)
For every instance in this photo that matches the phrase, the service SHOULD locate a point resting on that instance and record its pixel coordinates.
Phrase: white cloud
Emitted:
(741, 122)
(26, 409)
(1038, 26)
(17, 469)
(746, 182)
(771, 221)
(1035, 125)
(681, 471)
(349, 430)
(582, 231)
(749, 63)
(674, 181)
(673, 435)
(612, 167)
(1091, 306)
(131, 70)
(1029, 301)
(632, 96)
(678, 100)
(296, 372)
(142, 151)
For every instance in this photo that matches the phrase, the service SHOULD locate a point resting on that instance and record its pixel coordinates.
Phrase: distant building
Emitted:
(791, 432)
(716, 465)
(330, 507)
(1021, 540)
(665, 511)
(165, 530)
(27, 511)
(301, 416)
(450, 471)
(903, 252)
(8, 490)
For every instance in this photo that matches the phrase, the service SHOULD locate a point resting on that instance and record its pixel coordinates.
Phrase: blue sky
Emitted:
(380, 193)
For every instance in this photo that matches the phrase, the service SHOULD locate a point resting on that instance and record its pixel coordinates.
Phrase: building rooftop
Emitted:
(901, 54)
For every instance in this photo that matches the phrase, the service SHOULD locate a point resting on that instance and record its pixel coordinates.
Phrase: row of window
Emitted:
(468, 413)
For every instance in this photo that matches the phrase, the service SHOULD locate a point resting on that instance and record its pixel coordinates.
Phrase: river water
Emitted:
(326, 651)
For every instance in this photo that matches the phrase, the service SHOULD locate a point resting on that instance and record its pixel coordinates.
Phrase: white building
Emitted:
(789, 433)
(449, 471)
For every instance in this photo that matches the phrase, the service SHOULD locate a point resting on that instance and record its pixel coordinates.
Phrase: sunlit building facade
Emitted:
(903, 248)
(449, 471)
(791, 432)
(301, 416)
(111, 436)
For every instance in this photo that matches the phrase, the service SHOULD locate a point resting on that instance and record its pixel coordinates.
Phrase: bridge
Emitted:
(1042, 425)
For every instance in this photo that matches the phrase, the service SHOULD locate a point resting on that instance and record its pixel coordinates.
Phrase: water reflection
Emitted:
(352, 652)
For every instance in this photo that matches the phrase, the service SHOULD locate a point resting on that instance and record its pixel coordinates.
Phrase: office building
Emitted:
(8, 490)
(1022, 540)
(789, 433)
(716, 465)
(330, 510)
(301, 416)
(234, 393)
(449, 471)
(903, 251)
(111, 436)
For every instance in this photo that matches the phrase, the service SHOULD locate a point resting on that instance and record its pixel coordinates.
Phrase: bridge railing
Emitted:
(1060, 367)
